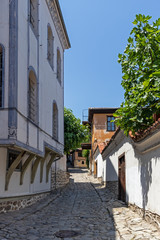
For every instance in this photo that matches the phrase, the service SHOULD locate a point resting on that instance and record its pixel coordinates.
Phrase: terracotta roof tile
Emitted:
(144, 133)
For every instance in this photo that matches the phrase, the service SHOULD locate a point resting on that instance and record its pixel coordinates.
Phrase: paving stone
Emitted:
(84, 206)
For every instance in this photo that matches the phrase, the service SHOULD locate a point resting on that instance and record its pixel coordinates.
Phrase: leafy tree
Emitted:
(74, 132)
(141, 76)
(85, 153)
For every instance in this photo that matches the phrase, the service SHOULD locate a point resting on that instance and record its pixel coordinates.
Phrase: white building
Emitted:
(33, 38)
(132, 164)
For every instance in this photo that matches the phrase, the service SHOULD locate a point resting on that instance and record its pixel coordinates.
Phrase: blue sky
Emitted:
(98, 31)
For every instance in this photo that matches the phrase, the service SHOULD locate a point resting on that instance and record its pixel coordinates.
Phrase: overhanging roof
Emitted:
(92, 111)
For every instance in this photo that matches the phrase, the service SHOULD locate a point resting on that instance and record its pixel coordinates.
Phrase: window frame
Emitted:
(110, 128)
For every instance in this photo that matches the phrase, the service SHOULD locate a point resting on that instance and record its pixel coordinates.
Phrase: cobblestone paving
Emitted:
(83, 206)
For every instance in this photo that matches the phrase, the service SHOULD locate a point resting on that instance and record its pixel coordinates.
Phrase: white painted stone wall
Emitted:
(142, 173)
(100, 164)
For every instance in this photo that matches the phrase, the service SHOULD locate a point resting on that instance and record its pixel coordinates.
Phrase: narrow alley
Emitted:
(82, 210)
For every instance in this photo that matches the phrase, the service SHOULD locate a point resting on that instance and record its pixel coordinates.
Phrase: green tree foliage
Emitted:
(74, 132)
(85, 153)
(141, 76)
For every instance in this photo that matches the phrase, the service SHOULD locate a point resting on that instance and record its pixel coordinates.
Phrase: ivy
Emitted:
(140, 64)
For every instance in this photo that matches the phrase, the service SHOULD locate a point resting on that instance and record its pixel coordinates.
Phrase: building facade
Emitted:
(32, 43)
(102, 129)
(78, 160)
(132, 169)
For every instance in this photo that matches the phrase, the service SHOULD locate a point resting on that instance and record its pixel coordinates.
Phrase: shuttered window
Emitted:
(55, 121)
(32, 97)
(58, 66)
(34, 15)
(50, 46)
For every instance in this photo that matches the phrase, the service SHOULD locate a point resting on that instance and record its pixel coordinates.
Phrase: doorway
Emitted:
(121, 179)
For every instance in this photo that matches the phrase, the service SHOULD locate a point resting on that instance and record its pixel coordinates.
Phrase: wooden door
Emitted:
(122, 179)
(95, 169)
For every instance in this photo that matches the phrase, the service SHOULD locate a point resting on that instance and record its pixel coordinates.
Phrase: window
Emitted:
(79, 154)
(58, 66)
(82, 162)
(34, 15)
(32, 97)
(50, 46)
(55, 121)
(1, 75)
(12, 155)
(110, 125)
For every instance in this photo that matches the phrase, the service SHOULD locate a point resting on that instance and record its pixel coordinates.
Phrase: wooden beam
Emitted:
(49, 165)
(12, 168)
(42, 165)
(34, 168)
(25, 166)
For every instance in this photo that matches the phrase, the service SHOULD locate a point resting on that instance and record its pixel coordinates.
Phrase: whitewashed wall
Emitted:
(14, 188)
(100, 164)
(142, 174)
(49, 87)
(29, 50)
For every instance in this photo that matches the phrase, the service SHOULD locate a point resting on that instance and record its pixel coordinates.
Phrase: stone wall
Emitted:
(16, 203)
(147, 215)
(113, 187)
(59, 179)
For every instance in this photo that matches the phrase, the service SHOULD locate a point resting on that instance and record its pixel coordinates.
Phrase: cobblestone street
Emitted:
(84, 207)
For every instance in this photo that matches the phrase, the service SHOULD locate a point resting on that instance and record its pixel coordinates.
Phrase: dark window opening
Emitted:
(12, 156)
(79, 154)
(82, 162)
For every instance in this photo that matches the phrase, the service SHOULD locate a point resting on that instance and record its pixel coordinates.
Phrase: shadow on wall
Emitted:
(147, 167)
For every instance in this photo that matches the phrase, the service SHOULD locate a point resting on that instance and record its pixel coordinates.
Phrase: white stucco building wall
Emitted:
(26, 51)
(142, 163)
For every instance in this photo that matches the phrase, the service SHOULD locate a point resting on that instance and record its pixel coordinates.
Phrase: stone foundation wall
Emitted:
(16, 203)
(147, 215)
(59, 179)
(113, 187)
